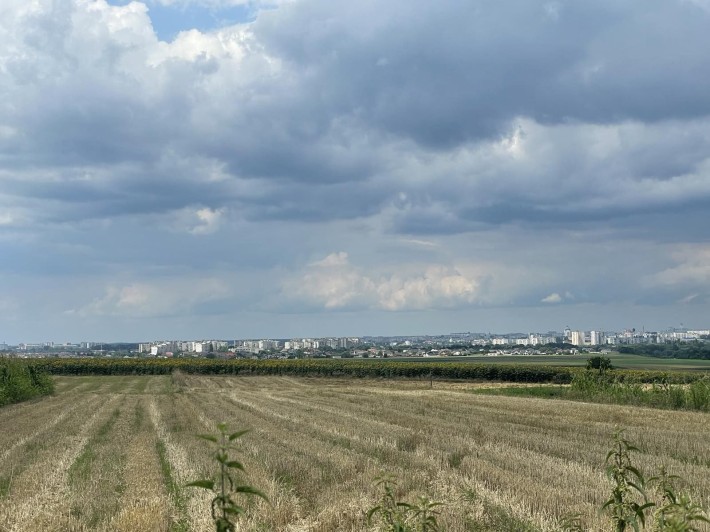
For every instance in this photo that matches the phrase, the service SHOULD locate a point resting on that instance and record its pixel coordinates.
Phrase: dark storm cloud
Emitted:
(445, 73)
(329, 93)
(309, 204)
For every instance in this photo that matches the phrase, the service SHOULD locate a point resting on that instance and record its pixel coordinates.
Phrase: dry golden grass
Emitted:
(113, 453)
(145, 504)
(39, 497)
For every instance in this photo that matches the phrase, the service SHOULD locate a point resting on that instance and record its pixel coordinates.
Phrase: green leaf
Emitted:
(250, 490)
(372, 512)
(238, 434)
(208, 437)
(635, 472)
(636, 487)
(235, 465)
(206, 484)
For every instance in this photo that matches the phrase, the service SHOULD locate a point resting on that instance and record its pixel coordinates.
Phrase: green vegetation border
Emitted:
(345, 368)
(21, 380)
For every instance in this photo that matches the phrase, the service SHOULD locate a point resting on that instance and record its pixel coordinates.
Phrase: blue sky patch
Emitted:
(170, 20)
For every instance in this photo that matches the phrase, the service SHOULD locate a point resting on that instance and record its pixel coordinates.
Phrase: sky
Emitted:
(286, 168)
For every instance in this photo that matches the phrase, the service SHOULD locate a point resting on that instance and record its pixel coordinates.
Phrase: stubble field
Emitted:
(114, 453)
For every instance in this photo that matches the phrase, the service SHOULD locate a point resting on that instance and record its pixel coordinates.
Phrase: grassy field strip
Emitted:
(431, 459)
(96, 476)
(125, 384)
(297, 471)
(688, 449)
(595, 420)
(502, 438)
(284, 508)
(505, 509)
(32, 433)
(113, 453)
(288, 462)
(192, 416)
(145, 504)
(35, 408)
(186, 420)
(396, 458)
(367, 439)
(40, 497)
(327, 424)
(33, 415)
(298, 418)
(177, 468)
(19, 454)
(654, 433)
(300, 413)
(516, 484)
(429, 462)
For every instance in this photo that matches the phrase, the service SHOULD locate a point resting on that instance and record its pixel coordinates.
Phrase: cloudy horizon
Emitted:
(245, 168)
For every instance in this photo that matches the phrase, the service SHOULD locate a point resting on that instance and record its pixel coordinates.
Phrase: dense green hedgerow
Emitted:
(344, 368)
(312, 367)
(21, 380)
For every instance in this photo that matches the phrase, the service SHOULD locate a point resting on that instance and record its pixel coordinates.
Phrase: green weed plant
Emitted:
(225, 510)
(629, 504)
(401, 516)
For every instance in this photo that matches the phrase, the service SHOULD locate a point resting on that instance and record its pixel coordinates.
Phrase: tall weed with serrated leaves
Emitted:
(675, 512)
(224, 508)
(400, 516)
(628, 486)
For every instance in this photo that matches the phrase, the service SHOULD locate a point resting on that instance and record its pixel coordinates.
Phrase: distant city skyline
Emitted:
(574, 335)
(256, 168)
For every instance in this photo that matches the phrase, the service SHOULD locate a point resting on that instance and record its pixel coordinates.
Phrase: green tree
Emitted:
(600, 363)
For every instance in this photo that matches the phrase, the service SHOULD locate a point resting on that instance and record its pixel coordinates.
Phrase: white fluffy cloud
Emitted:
(334, 282)
(198, 220)
(221, 4)
(167, 297)
(692, 268)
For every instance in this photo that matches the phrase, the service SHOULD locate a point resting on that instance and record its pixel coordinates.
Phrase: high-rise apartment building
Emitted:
(577, 338)
(596, 338)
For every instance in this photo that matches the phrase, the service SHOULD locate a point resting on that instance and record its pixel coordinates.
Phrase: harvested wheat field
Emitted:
(114, 453)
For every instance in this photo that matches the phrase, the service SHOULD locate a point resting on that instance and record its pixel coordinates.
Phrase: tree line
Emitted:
(696, 350)
(343, 368)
